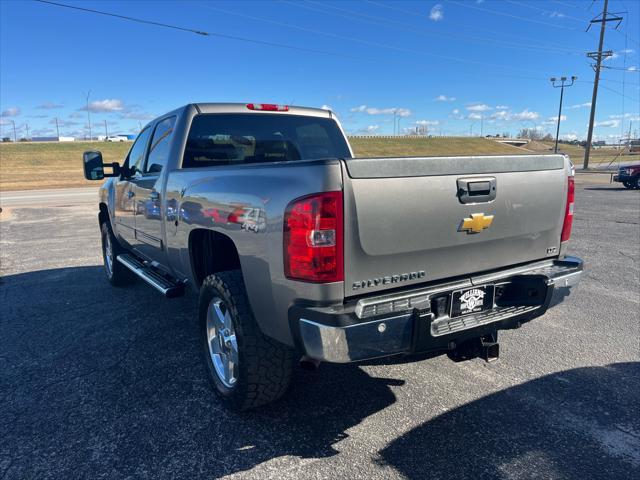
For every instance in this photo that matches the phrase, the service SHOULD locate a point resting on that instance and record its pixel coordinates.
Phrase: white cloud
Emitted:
(11, 112)
(526, 114)
(608, 123)
(402, 112)
(63, 123)
(428, 122)
(135, 114)
(569, 136)
(502, 107)
(49, 106)
(555, 14)
(474, 116)
(372, 128)
(444, 98)
(632, 68)
(613, 56)
(478, 107)
(106, 105)
(76, 115)
(554, 120)
(580, 105)
(437, 13)
(631, 116)
(501, 115)
(326, 107)
(455, 111)
(4, 122)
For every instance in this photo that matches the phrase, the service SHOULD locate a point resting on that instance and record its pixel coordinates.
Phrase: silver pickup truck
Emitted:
(300, 251)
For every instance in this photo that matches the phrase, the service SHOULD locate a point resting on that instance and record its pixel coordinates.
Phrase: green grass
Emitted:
(26, 166)
(424, 146)
(576, 153)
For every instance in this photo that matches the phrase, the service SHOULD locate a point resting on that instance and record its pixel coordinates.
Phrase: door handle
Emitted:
(131, 194)
(476, 190)
(154, 195)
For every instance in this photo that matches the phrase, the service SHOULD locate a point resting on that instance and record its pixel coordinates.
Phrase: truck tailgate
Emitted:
(417, 220)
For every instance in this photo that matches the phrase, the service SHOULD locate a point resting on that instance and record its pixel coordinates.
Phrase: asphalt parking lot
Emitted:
(97, 382)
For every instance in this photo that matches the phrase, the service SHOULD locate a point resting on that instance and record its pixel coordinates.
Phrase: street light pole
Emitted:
(561, 86)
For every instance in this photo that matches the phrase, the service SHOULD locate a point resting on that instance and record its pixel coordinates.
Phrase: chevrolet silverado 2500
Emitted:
(298, 250)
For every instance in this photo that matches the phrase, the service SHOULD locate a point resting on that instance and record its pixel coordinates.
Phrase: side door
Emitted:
(148, 192)
(125, 204)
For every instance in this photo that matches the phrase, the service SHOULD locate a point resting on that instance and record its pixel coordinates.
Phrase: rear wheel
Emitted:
(637, 182)
(117, 274)
(247, 369)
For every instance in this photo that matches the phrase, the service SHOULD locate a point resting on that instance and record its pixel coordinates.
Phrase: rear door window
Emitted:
(227, 139)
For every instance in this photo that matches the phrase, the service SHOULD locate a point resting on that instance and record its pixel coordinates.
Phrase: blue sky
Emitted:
(449, 66)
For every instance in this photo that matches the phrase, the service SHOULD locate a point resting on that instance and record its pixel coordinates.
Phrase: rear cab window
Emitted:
(240, 138)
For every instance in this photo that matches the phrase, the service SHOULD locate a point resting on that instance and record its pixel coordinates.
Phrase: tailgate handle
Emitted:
(476, 190)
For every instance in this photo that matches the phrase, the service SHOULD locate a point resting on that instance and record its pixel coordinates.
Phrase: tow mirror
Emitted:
(94, 166)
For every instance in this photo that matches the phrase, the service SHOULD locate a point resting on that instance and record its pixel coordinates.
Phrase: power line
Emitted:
(368, 42)
(505, 14)
(350, 14)
(550, 12)
(475, 26)
(200, 32)
(124, 17)
(311, 50)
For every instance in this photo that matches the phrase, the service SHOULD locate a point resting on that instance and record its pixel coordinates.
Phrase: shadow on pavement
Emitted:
(577, 424)
(97, 381)
(611, 188)
(103, 382)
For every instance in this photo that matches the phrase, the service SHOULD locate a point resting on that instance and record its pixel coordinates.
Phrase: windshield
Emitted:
(227, 139)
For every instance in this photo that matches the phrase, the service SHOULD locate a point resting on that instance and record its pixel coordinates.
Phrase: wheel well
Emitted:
(103, 215)
(211, 252)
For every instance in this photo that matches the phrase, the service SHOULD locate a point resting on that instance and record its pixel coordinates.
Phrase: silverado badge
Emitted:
(477, 223)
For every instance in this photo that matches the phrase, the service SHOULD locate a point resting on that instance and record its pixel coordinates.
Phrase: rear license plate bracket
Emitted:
(472, 300)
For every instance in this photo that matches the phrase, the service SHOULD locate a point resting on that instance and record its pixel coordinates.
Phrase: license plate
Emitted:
(472, 300)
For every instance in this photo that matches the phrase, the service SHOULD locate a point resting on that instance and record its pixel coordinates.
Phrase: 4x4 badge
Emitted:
(476, 223)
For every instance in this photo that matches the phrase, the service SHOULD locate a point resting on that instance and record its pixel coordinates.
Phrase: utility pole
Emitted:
(89, 115)
(561, 87)
(27, 127)
(602, 19)
(481, 126)
(106, 134)
(57, 129)
(394, 121)
(15, 137)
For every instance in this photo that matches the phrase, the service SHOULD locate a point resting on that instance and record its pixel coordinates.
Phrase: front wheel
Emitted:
(629, 184)
(247, 369)
(117, 274)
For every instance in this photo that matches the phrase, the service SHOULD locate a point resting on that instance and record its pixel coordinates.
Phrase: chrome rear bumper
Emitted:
(404, 323)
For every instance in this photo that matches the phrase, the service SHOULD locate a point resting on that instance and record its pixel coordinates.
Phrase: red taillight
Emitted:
(269, 107)
(313, 228)
(568, 212)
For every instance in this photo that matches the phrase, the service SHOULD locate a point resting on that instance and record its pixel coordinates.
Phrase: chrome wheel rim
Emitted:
(108, 255)
(222, 343)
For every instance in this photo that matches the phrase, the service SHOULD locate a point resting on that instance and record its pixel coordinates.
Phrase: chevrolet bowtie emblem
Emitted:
(477, 223)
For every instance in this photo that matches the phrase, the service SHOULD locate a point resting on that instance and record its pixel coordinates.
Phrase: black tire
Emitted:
(117, 274)
(629, 184)
(636, 181)
(264, 365)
